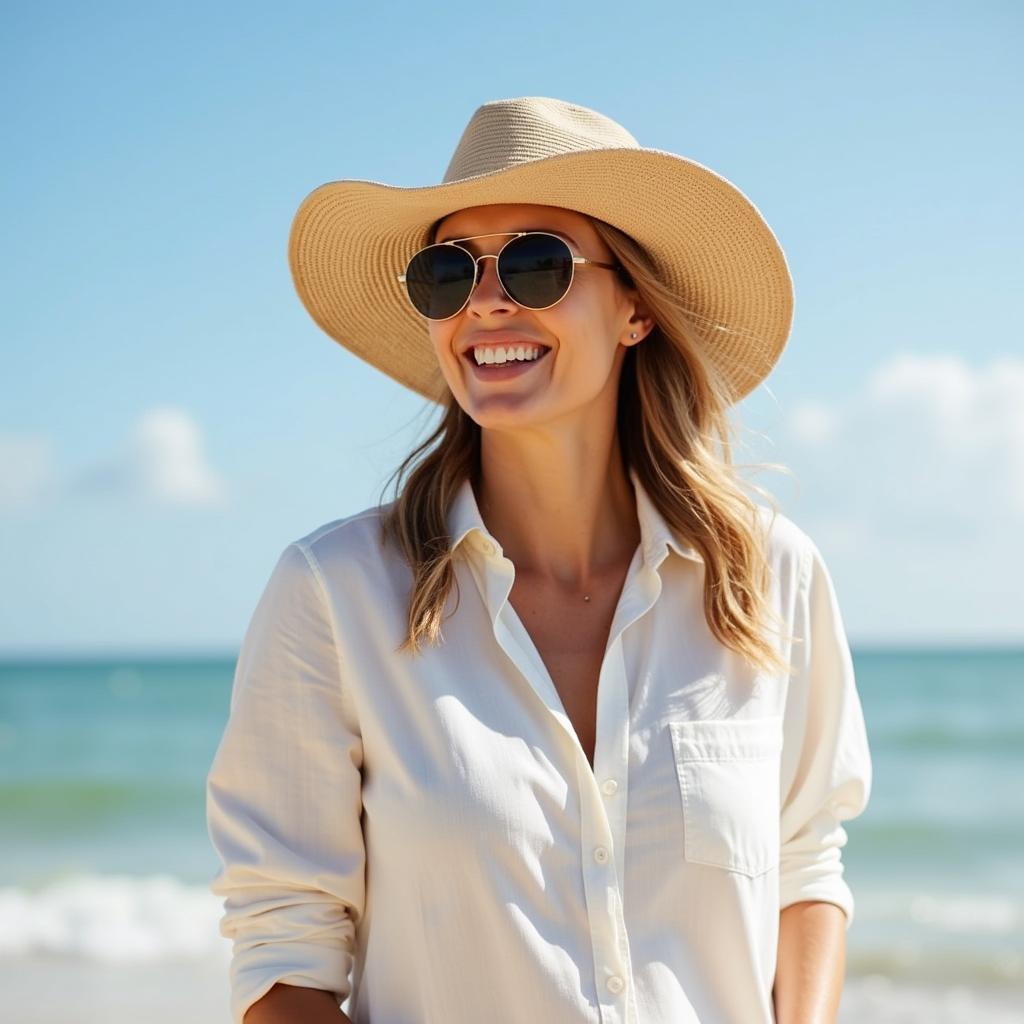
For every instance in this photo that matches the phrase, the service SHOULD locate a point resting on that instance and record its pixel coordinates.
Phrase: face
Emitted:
(583, 338)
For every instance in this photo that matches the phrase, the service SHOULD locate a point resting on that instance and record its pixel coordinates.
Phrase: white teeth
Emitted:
(484, 356)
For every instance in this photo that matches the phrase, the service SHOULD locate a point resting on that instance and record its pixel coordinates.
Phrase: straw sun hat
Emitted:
(351, 239)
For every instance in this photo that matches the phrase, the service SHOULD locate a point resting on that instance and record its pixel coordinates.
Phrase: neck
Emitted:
(564, 516)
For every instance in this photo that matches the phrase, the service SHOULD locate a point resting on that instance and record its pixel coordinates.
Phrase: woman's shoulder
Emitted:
(348, 545)
(789, 545)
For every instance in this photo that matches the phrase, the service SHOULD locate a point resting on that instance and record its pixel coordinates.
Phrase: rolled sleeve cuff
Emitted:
(811, 867)
(255, 971)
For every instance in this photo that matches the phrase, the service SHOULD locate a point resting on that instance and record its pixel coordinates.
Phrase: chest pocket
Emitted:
(729, 783)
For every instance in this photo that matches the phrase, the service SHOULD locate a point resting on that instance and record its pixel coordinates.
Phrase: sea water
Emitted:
(105, 859)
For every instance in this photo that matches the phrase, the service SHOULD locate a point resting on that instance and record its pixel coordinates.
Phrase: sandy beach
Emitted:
(56, 989)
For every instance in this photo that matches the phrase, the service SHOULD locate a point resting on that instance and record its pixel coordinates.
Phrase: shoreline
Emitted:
(37, 988)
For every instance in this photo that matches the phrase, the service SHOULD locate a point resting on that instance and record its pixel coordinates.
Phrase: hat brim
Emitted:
(351, 239)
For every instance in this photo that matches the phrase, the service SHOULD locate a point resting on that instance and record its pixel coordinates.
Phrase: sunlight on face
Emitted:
(584, 330)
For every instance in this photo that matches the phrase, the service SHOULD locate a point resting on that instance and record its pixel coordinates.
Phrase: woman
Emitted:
(567, 731)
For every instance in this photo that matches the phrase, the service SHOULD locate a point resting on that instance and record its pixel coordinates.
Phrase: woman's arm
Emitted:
(827, 776)
(284, 799)
(811, 963)
(290, 1004)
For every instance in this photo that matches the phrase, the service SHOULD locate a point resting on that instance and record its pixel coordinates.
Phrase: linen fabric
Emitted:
(425, 837)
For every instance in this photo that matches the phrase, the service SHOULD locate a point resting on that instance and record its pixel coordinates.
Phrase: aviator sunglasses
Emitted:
(535, 268)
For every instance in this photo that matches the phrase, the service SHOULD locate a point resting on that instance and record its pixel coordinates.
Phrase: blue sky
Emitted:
(170, 417)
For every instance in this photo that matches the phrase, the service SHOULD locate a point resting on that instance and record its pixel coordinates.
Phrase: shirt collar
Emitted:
(465, 524)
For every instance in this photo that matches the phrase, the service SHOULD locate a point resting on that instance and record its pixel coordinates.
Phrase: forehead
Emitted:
(476, 220)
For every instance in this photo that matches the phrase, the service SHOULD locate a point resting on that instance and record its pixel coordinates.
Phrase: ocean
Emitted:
(104, 857)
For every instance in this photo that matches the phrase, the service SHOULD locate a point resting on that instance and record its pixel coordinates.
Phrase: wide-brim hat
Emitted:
(351, 239)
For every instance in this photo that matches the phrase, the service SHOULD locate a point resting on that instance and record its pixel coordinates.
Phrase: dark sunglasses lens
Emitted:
(536, 270)
(439, 279)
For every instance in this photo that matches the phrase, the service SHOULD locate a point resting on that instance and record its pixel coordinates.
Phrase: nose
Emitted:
(488, 295)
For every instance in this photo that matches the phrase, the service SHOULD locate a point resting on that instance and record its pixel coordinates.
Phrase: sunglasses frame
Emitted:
(576, 261)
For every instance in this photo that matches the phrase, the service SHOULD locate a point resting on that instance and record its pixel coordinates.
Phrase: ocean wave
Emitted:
(974, 913)
(938, 937)
(987, 738)
(882, 1000)
(114, 918)
(923, 964)
(62, 802)
(936, 841)
(924, 936)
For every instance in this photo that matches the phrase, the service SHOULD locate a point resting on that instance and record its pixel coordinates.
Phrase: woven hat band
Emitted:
(503, 133)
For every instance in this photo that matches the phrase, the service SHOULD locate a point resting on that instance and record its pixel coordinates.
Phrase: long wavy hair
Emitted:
(673, 428)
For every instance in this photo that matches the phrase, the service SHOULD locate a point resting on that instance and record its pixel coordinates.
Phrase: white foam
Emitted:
(114, 918)
(881, 1000)
(966, 912)
(993, 914)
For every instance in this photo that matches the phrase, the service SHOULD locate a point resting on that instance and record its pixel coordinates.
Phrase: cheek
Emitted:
(441, 339)
(589, 308)
(583, 332)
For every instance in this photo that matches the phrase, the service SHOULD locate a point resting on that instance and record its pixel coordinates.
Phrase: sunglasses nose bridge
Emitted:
(481, 274)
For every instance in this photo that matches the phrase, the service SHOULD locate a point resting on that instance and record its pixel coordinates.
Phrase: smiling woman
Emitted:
(597, 365)
(587, 787)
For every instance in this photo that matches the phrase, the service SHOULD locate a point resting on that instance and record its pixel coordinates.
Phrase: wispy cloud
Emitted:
(926, 446)
(28, 473)
(975, 418)
(169, 458)
(813, 423)
(162, 459)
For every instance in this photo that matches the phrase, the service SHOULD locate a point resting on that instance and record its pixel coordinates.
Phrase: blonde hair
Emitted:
(673, 429)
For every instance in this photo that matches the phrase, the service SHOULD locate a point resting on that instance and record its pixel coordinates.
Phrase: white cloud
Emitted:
(928, 439)
(27, 470)
(976, 416)
(813, 423)
(170, 460)
(163, 459)
(913, 487)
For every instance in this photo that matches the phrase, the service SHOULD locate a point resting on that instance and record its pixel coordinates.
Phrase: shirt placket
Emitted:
(602, 836)
(603, 791)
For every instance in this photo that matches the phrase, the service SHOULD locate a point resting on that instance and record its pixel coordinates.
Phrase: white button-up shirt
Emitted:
(425, 837)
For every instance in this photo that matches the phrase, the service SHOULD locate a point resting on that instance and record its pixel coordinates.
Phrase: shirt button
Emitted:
(600, 855)
(609, 787)
(615, 984)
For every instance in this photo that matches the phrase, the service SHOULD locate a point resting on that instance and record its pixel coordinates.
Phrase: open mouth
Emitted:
(471, 359)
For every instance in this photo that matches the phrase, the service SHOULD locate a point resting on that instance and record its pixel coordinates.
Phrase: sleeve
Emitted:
(828, 762)
(283, 798)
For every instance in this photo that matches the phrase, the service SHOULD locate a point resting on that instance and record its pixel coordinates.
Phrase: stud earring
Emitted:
(632, 334)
